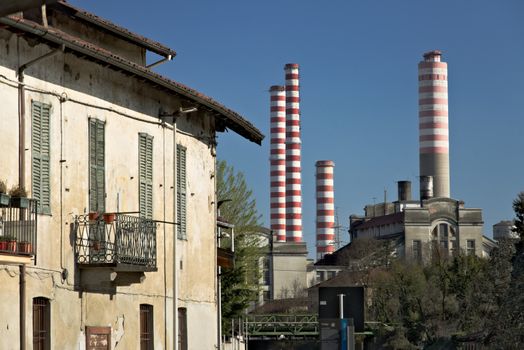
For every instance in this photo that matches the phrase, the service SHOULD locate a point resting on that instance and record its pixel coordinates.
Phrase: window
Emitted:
(145, 165)
(146, 327)
(417, 250)
(181, 195)
(266, 296)
(266, 276)
(182, 328)
(97, 192)
(40, 155)
(470, 247)
(331, 274)
(443, 230)
(41, 324)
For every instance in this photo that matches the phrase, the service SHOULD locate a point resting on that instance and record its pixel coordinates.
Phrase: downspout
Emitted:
(21, 113)
(21, 173)
(165, 59)
(175, 115)
(22, 307)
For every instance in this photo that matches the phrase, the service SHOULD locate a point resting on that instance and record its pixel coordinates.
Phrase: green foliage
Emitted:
(240, 284)
(459, 299)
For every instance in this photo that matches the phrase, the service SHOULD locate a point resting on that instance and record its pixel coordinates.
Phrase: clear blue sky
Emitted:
(358, 87)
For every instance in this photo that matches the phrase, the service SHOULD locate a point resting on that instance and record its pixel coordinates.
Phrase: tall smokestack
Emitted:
(433, 121)
(293, 159)
(277, 162)
(325, 208)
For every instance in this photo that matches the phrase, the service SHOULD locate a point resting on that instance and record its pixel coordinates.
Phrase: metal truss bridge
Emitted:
(299, 326)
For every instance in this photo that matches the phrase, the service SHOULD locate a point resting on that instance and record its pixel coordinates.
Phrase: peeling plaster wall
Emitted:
(71, 309)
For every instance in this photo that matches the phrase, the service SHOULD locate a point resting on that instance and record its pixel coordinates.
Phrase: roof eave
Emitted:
(115, 29)
(232, 120)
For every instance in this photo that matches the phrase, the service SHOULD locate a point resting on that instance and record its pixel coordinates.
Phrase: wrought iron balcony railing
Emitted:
(121, 241)
(18, 228)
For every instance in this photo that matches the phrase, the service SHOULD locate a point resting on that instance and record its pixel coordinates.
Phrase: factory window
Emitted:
(146, 327)
(443, 230)
(320, 276)
(40, 155)
(41, 324)
(417, 250)
(470, 247)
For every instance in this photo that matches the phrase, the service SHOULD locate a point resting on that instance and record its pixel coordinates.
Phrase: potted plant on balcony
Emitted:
(109, 217)
(25, 247)
(19, 197)
(8, 244)
(3, 243)
(4, 197)
(93, 216)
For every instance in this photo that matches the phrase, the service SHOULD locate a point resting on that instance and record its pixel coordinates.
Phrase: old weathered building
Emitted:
(118, 160)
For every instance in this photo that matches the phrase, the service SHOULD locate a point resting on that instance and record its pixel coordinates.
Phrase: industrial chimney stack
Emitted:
(433, 122)
(325, 208)
(293, 157)
(278, 162)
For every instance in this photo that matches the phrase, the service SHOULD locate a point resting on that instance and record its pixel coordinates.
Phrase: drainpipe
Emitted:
(165, 59)
(21, 113)
(22, 306)
(175, 115)
(21, 172)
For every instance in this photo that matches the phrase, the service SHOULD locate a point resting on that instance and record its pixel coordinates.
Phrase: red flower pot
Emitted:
(109, 217)
(93, 216)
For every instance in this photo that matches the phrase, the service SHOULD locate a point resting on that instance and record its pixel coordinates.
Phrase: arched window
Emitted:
(444, 237)
(41, 324)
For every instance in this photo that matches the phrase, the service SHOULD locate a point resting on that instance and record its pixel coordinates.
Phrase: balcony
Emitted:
(121, 242)
(18, 228)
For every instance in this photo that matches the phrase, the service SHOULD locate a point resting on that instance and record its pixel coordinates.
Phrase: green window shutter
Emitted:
(40, 153)
(145, 165)
(97, 191)
(181, 192)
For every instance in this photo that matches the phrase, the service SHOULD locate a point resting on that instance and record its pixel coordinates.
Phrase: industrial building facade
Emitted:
(117, 245)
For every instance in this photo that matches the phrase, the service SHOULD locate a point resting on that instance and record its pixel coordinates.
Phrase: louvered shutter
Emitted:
(181, 192)
(145, 156)
(96, 166)
(40, 152)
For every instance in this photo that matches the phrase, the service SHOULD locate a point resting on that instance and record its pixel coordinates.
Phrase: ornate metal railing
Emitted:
(287, 325)
(114, 238)
(18, 228)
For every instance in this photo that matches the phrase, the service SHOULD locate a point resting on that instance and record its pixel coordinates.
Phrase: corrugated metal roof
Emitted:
(231, 119)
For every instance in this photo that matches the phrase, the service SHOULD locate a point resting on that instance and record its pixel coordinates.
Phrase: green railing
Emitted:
(282, 325)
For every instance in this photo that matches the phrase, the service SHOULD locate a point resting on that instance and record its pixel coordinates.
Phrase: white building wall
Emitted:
(128, 107)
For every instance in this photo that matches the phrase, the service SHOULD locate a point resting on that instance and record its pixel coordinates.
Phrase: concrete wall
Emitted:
(128, 107)
(289, 269)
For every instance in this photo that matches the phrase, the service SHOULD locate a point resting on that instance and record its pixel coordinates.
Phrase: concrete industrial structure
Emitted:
(433, 121)
(113, 155)
(287, 258)
(422, 225)
(504, 229)
(325, 211)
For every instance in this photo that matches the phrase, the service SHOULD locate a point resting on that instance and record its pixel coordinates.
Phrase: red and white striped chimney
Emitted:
(293, 161)
(277, 162)
(433, 122)
(325, 208)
